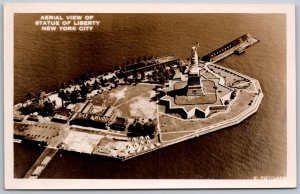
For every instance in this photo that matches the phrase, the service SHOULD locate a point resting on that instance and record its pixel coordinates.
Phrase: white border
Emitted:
(10, 9)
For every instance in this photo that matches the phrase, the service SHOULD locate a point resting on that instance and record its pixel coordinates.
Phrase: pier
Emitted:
(40, 164)
(237, 46)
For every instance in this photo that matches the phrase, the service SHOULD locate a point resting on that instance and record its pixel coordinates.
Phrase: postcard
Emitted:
(149, 96)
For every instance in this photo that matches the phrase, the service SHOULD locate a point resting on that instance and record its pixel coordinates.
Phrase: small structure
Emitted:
(46, 160)
(33, 118)
(18, 118)
(60, 118)
(38, 171)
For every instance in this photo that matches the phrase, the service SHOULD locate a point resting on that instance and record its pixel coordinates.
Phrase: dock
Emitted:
(40, 164)
(237, 46)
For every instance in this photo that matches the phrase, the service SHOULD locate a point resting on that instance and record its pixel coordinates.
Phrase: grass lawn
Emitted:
(139, 107)
(169, 124)
(229, 76)
(105, 98)
(132, 91)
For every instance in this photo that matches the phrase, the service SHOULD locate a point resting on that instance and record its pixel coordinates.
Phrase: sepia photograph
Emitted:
(155, 94)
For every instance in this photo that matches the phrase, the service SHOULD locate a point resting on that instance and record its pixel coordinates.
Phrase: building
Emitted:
(236, 46)
(18, 118)
(99, 121)
(81, 119)
(88, 118)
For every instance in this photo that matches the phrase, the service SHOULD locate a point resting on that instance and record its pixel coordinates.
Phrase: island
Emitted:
(139, 107)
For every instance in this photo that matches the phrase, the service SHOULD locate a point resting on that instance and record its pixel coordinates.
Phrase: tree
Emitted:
(226, 102)
(31, 108)
(96, 85)
(233, 94)
(167, 74)
(143, 74)
(134, 74)
(83, 91)
(149, 129)
(25, 110)
(48, 109)
(173, 72)
(113, 79)
(63, 96)
(74, 96)
(135, 129)
(68, 93)
(154, 75)
(142, 129)
(161, 79)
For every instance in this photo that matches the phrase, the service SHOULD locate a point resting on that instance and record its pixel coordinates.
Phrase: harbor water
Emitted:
(255, 147)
